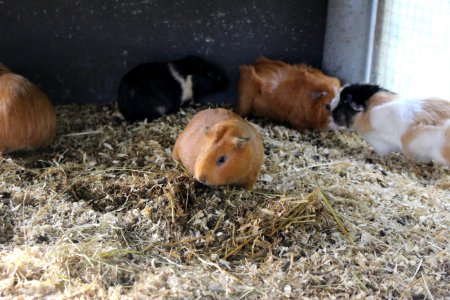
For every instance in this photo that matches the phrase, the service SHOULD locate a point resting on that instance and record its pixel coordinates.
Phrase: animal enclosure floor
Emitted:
(106, 213)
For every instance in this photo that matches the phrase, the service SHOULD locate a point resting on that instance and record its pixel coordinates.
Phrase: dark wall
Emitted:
(77, 51)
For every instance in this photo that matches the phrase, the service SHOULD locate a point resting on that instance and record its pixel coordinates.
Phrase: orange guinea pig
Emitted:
(27, 117)
(218, 147)
(296, 94)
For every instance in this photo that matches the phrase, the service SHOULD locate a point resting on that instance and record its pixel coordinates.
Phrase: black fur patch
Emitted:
(144, 88)
(149, 91)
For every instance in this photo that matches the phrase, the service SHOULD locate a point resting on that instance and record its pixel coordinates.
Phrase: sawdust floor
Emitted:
(106, 213)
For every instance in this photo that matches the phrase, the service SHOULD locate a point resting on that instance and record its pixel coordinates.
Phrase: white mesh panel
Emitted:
(414, 47)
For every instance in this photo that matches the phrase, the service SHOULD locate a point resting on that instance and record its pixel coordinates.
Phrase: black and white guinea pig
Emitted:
(151, 90)
(420, 128)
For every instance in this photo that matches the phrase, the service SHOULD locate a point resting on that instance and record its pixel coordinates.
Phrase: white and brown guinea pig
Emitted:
(27, 117)
(420, 128)
(218, 147)
(296, 94)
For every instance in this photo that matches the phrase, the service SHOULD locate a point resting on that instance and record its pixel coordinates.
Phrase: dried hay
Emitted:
(106, 213)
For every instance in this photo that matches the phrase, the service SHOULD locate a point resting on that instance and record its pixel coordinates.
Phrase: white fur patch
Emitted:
(428, 144)
(389, 122)
(186, 84)
(335, 101)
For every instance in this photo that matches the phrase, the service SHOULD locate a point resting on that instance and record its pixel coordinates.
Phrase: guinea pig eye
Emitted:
(221, 160)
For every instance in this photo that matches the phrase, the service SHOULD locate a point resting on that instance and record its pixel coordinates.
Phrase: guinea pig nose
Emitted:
(202, 179)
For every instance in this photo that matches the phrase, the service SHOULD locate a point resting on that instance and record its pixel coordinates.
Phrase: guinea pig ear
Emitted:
(317, 94)
(241, 141)
(206, 130)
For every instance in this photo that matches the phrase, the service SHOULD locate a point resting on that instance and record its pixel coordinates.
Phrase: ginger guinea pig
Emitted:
(27, 117)
(296, 94)
(420, 128)
(218, 147)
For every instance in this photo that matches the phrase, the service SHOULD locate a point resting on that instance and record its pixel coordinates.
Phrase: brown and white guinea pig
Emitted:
(218, 147)
(420, 128)
(296, 94)
(27, 117)
(152, 90)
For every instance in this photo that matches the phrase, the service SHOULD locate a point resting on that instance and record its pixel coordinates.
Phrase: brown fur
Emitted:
(406, 139)
(435, 113)
(212, 133)
(27, 117)
(296, 94)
